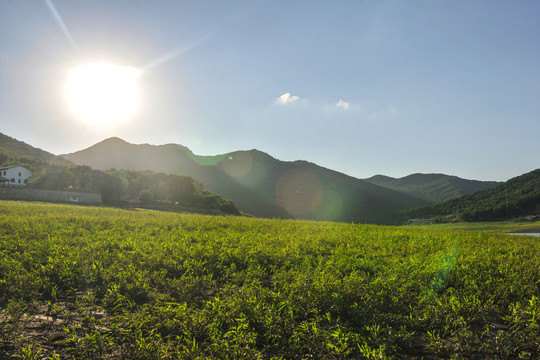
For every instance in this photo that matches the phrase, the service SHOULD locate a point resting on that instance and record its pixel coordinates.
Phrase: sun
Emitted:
(103, 94)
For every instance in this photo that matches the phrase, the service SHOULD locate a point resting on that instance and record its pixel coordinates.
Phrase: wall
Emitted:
(8, 193)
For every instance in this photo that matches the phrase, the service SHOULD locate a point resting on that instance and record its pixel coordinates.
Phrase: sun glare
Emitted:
(103, 94)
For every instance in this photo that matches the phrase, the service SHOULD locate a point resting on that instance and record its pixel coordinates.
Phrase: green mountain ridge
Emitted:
(174, 159)
(267, 187)
(435, 188)
(13, 151)
(258, 183)
(51, 172)
(518, 196)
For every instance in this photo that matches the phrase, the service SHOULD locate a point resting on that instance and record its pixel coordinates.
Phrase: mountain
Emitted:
(435, 188)
(516, 197)
(13, 151)
(258, 183)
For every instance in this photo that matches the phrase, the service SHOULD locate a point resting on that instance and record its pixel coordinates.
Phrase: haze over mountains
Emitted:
(263, 186)
(13, 151)
(258, 183)
(434, 188)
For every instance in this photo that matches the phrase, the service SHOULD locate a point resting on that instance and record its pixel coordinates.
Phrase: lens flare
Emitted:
(299, 192)
(332, 205)
(238, 165)
(446, 264)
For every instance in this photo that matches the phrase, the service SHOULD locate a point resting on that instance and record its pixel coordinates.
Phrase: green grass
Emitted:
(509, 226)
(103, 283)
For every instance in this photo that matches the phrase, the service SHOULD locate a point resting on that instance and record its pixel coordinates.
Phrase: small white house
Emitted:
(14, 175)
(74, 198)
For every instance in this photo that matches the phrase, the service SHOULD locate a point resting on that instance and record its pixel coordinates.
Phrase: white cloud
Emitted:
(343, 104)
(287, 98)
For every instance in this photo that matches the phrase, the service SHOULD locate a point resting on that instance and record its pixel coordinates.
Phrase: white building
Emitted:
(14, 175)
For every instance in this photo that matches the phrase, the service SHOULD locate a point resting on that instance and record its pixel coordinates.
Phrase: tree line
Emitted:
(120, 186)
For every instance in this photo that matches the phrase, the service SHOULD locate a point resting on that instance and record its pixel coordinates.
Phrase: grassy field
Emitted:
(103, 283)
(509, 226)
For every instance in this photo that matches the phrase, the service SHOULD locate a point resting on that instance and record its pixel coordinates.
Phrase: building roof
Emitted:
(2, 179)
(11, 166)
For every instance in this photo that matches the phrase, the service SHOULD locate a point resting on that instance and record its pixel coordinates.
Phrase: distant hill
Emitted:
(13, 151)
(516, 197)
(258, 183)
(435, 188)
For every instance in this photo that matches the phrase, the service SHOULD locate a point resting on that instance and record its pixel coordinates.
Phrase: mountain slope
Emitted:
(258, 183)
(13, 151)
(516, 197)
(435, 188)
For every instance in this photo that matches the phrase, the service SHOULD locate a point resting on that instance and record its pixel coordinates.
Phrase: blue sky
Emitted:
(361, 87)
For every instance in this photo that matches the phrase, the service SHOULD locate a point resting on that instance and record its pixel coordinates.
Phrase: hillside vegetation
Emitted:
(102, 283)
(258, 183)
(118, 187)
(56, 173)
(435, 188)
(15, 152)
(518, 196)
